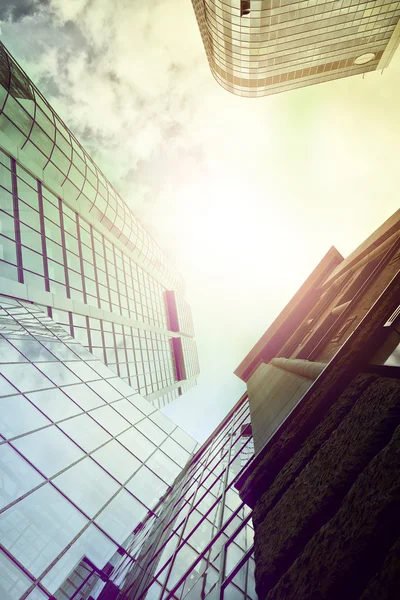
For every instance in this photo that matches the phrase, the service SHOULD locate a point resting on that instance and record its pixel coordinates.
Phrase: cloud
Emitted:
(124, 76)
(15, 10)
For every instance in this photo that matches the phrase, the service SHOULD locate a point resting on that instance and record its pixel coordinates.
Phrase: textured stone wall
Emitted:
(328, 525)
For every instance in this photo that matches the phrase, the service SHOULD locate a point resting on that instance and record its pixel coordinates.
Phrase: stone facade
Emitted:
(326, 526)
(324, 484)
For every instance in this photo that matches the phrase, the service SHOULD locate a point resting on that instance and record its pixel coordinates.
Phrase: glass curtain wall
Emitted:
(65, 234)
(202, 544)
(84, 462)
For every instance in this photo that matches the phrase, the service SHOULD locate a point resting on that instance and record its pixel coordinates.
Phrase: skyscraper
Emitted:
(84, 462)
(261, 47)
(69, 243)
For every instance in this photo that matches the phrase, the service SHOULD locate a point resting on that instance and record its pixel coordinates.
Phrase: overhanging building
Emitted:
(69, 243)
(261, 47)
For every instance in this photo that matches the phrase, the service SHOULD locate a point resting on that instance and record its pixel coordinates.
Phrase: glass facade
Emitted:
(260, 47)
(202, 543)
(100, 489)
(105, 282)
(84, 460)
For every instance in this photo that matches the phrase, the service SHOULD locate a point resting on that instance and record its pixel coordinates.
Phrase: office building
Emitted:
(261, 47)
(324, 395)
(69, 243)
(84, 461)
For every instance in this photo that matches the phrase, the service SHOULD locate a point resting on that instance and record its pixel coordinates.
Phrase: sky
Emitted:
(245, 195)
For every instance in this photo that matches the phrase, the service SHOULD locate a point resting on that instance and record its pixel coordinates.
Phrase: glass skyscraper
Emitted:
(69, 243)
(261, 47)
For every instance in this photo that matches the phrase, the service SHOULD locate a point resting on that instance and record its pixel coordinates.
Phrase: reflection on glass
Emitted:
(117, 460)
(8, 354)
(121, 516)
(16, 475)
(85, 432)
(13, 582)
(54, 403)
(163, 466)
(25, 377)
(110, 419)
(18, 416)
(92, 544)
(39, 527)
(33, 350)
(146, 486)
(87, 485)
(49, 450)
(58, 373)
(83, 396)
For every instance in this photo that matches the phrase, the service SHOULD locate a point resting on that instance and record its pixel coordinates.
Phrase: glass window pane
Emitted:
(25, 377)
(162, 421)
(147, 487)
(121, 516)
(185, 557)
(17, 416)
(85, 431)
(87, 485)
(6, 388)
(80, 368)
(13, 582)
(105, 390)
(83, 396)
(36, 595)
(117, 460)
(39, 527)
(49, 450)
(60, 350)
(16, 475)
(175, 451)
(152, 431)
(184, 439)
(54, 403)
(8, 354)
(141, 404)
(8, 249)
(92, 544)
(32, 349)
(58, 373)
(137, 443)
(163, 466)
(110, 419)
(127, 410)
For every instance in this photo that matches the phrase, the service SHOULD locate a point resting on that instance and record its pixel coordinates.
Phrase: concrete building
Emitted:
(261, 47)
(324, 394)
(69, 243)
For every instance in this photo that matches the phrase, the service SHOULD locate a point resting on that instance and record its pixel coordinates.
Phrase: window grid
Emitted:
(49, 147)
(23, 325)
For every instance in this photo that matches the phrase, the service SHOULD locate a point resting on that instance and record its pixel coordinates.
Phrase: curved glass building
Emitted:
(70, 243)
(261, 47)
